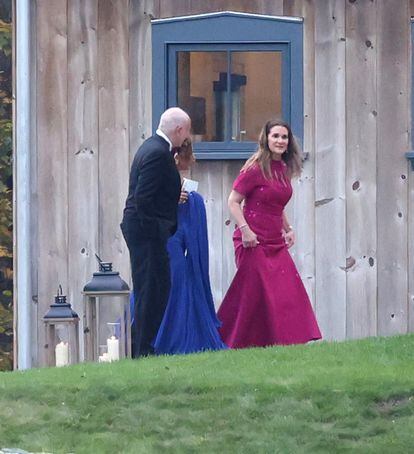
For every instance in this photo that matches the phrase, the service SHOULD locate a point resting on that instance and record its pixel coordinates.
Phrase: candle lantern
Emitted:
(61, 333)
(106, 316)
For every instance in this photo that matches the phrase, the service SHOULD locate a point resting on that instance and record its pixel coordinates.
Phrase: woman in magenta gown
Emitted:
(266, 303)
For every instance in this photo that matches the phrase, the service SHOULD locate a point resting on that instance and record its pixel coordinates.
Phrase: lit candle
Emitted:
(62, 354)
(113, 348)
(104, 358)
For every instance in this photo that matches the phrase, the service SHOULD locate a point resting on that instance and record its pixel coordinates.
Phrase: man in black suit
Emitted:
(150, 218)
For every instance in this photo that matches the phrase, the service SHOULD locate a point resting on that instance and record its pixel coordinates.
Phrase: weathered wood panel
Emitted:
(231, 170)
(140, 55)
(330, 167)
(34, 220)
(83, 196)
(410, 178)
(361, 163)
(411, 251)
(274, 8)
(52, 154)
(392, 141)
(186, 7)
(303, 203)
(209, 174)
(113, 129)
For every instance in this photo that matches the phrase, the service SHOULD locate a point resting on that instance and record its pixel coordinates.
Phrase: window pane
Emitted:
(198, 79)
(256, 92)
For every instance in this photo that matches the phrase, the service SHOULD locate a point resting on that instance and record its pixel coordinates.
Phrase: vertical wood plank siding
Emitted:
(113, 129)
(330, 167)
(231, 169)
(83, 196)
(140, 99)
(410, 177)
(52, 132)
(303, 203)
(34, 202)
(174, 8)
(210, 176)
(351, 209)
(361, 164)
(392, 141)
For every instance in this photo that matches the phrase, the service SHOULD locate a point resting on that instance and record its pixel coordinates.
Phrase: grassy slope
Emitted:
(350, 397)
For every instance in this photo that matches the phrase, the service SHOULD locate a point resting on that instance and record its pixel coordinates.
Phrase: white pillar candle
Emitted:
(113, 348)
(62, 354)
(104, 358)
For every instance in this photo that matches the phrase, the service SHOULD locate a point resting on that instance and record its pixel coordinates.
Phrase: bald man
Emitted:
(150, 218)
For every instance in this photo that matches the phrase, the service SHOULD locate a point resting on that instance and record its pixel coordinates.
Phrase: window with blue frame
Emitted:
(231, 72)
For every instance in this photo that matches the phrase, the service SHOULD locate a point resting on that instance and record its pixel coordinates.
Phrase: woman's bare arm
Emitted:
(249, 238)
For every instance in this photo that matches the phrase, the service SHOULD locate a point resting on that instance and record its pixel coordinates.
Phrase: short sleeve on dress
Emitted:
(246, 181)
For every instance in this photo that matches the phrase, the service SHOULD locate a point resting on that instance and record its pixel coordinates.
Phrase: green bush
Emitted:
(6, 195)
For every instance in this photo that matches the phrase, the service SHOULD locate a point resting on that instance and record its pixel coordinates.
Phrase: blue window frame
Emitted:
(229, 37)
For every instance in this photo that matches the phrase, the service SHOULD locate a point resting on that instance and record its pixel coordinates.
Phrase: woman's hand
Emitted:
(183, 197)
(289, 237)
(249, 238)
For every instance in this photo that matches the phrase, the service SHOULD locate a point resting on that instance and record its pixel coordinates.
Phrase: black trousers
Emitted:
(150, 270)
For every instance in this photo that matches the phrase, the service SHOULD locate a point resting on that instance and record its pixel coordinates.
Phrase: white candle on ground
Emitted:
(62, 354)
(104, 358)
(113, 348)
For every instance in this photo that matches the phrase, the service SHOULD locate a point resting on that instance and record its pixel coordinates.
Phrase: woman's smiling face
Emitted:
(278, 141)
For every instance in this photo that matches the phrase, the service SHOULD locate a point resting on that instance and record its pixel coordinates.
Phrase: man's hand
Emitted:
(183, 197)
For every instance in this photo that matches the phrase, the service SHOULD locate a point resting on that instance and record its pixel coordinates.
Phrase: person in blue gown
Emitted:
(190, 323)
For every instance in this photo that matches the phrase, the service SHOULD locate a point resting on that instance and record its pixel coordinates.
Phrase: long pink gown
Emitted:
(266, 303)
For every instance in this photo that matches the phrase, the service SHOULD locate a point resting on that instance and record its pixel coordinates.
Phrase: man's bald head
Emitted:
(176, 124)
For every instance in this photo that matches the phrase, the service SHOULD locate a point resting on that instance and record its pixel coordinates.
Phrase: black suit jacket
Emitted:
(154, 190)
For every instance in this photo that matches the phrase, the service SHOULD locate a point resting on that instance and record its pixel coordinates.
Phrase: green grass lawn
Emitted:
(355, 397)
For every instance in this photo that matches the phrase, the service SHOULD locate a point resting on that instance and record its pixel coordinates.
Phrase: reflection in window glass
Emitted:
(197, 73)
(219, 114)
(256, 92)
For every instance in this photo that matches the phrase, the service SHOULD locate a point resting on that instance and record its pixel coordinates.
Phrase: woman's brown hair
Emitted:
(186, 150)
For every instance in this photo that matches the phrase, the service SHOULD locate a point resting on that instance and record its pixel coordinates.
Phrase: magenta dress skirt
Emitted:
(266, 303)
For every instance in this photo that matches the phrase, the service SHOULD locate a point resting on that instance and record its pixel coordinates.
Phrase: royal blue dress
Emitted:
(190, 323)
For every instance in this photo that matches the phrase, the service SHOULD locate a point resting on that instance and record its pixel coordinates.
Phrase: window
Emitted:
(228, 94)
(231, 72)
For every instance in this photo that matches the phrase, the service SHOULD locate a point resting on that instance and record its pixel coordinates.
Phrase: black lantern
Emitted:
(61, 332)
(106, 316)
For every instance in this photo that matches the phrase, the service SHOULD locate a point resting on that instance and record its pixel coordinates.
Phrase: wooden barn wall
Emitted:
(352, 207)
(361, 168)
(301, 210)
(52, 147)
(392, 189)
(410, 214)
(330, 154)
(83, 140)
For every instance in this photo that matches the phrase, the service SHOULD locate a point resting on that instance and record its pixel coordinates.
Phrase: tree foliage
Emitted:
(6, 200)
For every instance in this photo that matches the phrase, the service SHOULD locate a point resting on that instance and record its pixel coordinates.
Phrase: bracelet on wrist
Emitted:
(243, 226)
